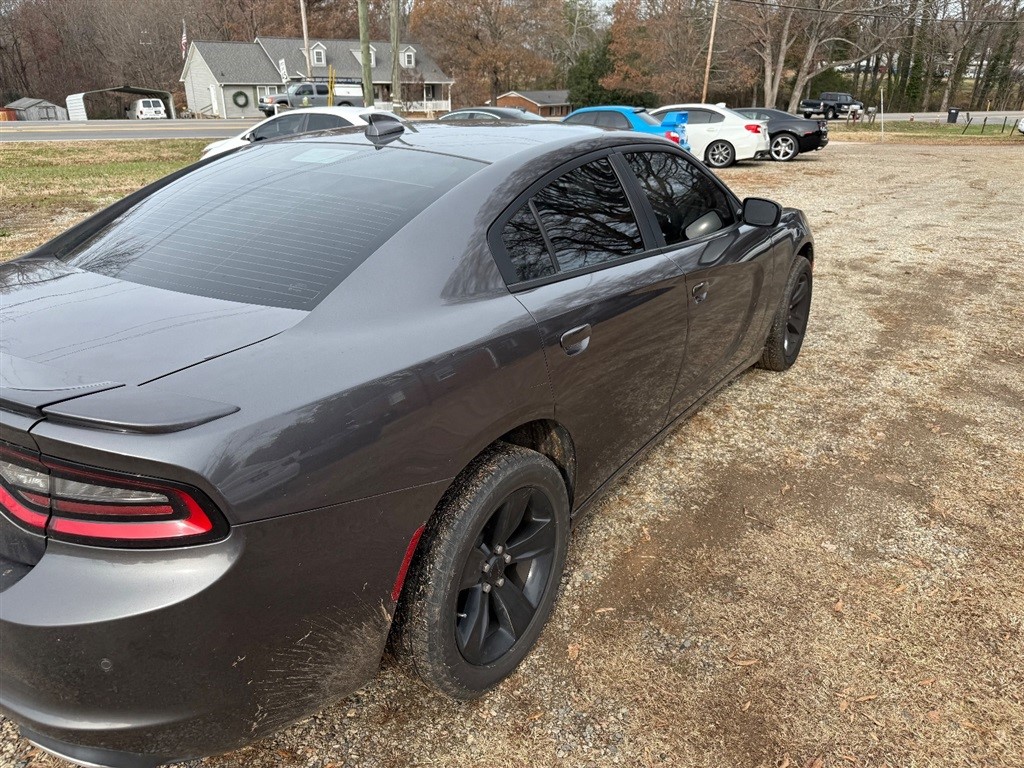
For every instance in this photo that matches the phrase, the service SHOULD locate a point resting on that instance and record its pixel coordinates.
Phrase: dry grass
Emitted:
(821, 568)
(928, 132)
(48, 186)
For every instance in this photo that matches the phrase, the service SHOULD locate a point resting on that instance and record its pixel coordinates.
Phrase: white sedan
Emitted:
(718, 135)
(302, 120)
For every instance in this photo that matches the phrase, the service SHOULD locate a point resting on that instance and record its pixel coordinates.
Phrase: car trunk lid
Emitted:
(69, 332)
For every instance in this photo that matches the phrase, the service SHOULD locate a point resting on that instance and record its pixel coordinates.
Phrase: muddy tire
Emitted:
(786, 336)
(485, 576)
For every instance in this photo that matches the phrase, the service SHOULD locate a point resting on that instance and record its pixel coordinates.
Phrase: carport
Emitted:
(76, 101)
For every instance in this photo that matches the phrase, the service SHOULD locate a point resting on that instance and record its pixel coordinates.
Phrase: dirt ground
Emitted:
(820, 568)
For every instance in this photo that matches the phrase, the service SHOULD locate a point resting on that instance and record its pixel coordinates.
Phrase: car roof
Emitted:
(340, 111)
(674, 107)
(611, 108)
(510, 111)
(483, 142)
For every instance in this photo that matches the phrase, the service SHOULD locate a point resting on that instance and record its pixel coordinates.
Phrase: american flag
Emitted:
(184, 40)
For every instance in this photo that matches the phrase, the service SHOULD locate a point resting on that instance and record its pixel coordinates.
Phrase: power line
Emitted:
(868, 14)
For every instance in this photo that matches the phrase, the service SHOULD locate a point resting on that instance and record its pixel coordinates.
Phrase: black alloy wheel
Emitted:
(796, 321)
(504, 576)
(789, 326)
(486, 573)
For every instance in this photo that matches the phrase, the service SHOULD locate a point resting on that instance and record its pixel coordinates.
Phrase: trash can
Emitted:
(952, 115)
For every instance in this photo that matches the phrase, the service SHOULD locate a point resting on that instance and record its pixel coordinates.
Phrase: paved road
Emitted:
(121, 129)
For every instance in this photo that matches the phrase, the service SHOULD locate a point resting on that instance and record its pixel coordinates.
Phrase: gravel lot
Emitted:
(821, 568)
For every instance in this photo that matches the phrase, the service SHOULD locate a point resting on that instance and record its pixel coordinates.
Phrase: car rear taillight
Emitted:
(672, 136)
(753, 127)
(100, 507)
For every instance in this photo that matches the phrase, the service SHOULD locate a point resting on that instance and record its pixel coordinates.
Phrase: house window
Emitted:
(319, 57)
(409, 59)
(262, 91)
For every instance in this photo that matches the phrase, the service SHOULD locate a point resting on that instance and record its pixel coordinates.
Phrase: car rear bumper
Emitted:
(812, 142)
(752, 146)
(144, 657)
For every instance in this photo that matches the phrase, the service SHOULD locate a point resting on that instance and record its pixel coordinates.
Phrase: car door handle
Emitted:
(700, 292)
(576, 340)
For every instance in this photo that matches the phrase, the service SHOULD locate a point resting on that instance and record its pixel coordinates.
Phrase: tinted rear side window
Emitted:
(280, 225)
(587, 217)
(613, 120)
(525, 246)
(318, 122)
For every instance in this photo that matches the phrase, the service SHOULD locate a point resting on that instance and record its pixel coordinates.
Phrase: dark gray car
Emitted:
(257, 409)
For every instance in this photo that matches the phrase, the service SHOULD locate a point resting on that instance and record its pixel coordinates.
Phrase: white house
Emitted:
(227, 79)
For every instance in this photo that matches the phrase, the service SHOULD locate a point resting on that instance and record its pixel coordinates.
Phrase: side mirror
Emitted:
(759, 212)
(705, 225)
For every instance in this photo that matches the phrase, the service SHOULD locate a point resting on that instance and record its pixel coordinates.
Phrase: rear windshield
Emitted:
(647, 118)
(280, 224)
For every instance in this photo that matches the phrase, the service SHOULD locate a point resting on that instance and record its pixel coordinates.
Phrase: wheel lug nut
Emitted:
(499, 549)
(487, 567)
(500, 582)
(487, 587)
(507, 558)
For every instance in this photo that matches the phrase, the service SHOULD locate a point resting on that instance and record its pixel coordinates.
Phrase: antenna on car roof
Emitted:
(382, 128)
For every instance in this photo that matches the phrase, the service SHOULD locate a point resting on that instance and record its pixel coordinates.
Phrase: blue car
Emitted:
(633, 119)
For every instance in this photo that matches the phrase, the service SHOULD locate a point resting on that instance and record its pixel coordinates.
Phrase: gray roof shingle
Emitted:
(343, 55)
(543, 98)
(238, 63)
(28, 102)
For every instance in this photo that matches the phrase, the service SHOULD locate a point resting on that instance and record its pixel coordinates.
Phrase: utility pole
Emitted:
(364, 53)
(711, 48)
(305, 39)
(396, 69)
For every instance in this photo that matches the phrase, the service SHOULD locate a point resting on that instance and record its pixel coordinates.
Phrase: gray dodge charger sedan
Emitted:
(284, 406)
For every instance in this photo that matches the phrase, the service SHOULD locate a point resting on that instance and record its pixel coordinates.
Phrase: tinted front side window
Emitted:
(586, 118)
(282, 126)
(680, 195)
(280, 225)
(587, 217)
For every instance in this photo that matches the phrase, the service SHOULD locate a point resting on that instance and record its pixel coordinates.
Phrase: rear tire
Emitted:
(484, 580)
(720, 154)
(807, 115)
(784, 147)
(789, 326)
